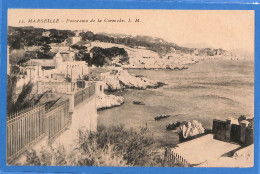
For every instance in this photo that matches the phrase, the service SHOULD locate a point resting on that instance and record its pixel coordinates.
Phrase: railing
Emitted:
(24, 128)
(175, 157)
(57, 119)
(84, 94)
(56, 87)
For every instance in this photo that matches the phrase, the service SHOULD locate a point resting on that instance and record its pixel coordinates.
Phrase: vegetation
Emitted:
(25, 98)
(11, 84)
(44, 52)
(113, 146)
(101, 56)
(155, 44)
(20, 37)
(241, 118)
(105, 56)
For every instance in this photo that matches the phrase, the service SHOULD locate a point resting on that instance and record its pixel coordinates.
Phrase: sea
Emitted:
(208, 90)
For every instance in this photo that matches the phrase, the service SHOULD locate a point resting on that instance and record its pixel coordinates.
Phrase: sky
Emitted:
(227, 29)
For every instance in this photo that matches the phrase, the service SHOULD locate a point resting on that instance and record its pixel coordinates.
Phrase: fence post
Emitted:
(71, 102)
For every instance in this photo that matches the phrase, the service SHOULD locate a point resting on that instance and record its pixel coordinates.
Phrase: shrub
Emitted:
(109, 146)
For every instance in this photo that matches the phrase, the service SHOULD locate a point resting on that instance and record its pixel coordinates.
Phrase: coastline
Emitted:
(188, 105)
(124, 88)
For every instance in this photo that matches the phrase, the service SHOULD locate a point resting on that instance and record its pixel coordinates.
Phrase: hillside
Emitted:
(106, 49)
(140, 57)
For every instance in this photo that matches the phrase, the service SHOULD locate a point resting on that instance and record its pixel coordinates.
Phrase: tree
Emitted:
(98, 58)
(44, 52)
(102, 56)
(23, 100)
(46, 48)
(86, 57)
(87, 35)
(16, 43)
(11, 85)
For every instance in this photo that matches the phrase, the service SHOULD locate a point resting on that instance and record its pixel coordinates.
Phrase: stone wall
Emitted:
(219, 129)
(241, 133)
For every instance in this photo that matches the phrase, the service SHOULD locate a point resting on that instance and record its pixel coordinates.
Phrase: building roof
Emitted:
(66, 56)
(42, 62)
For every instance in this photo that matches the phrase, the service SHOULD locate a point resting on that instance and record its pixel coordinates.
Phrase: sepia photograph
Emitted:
(127, 88)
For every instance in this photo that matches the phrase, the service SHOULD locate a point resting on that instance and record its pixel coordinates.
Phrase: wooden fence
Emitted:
(84, 94)
(24, 128)
(175, 157)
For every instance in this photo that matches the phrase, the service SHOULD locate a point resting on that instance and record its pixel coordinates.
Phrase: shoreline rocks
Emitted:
(190, 129)
(120, 79)
(108, 101)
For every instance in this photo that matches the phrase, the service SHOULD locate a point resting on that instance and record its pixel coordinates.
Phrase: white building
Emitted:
(73, 69)
(58, 68)
(55, 47)
(74, 40)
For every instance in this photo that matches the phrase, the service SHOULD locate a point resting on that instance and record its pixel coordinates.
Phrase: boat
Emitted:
(138, 103)
(157, 118)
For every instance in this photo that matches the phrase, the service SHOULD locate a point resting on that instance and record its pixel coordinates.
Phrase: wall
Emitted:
(74, 69)
(100, 88)
(57, 48)
(249, 136)
(219, 129)
(55, 87)
(242, 133)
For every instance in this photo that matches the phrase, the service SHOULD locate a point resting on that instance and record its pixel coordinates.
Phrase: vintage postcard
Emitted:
(166, 88)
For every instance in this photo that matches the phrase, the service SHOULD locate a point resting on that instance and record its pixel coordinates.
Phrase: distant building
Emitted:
(63, 47)
(196, 52)
(67, 56)
(73, 40)
(177, 51)
(46, 34)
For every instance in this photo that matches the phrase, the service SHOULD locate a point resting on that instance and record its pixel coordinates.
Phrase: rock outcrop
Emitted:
(121, 79)
(190, 129)
(108, 101)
